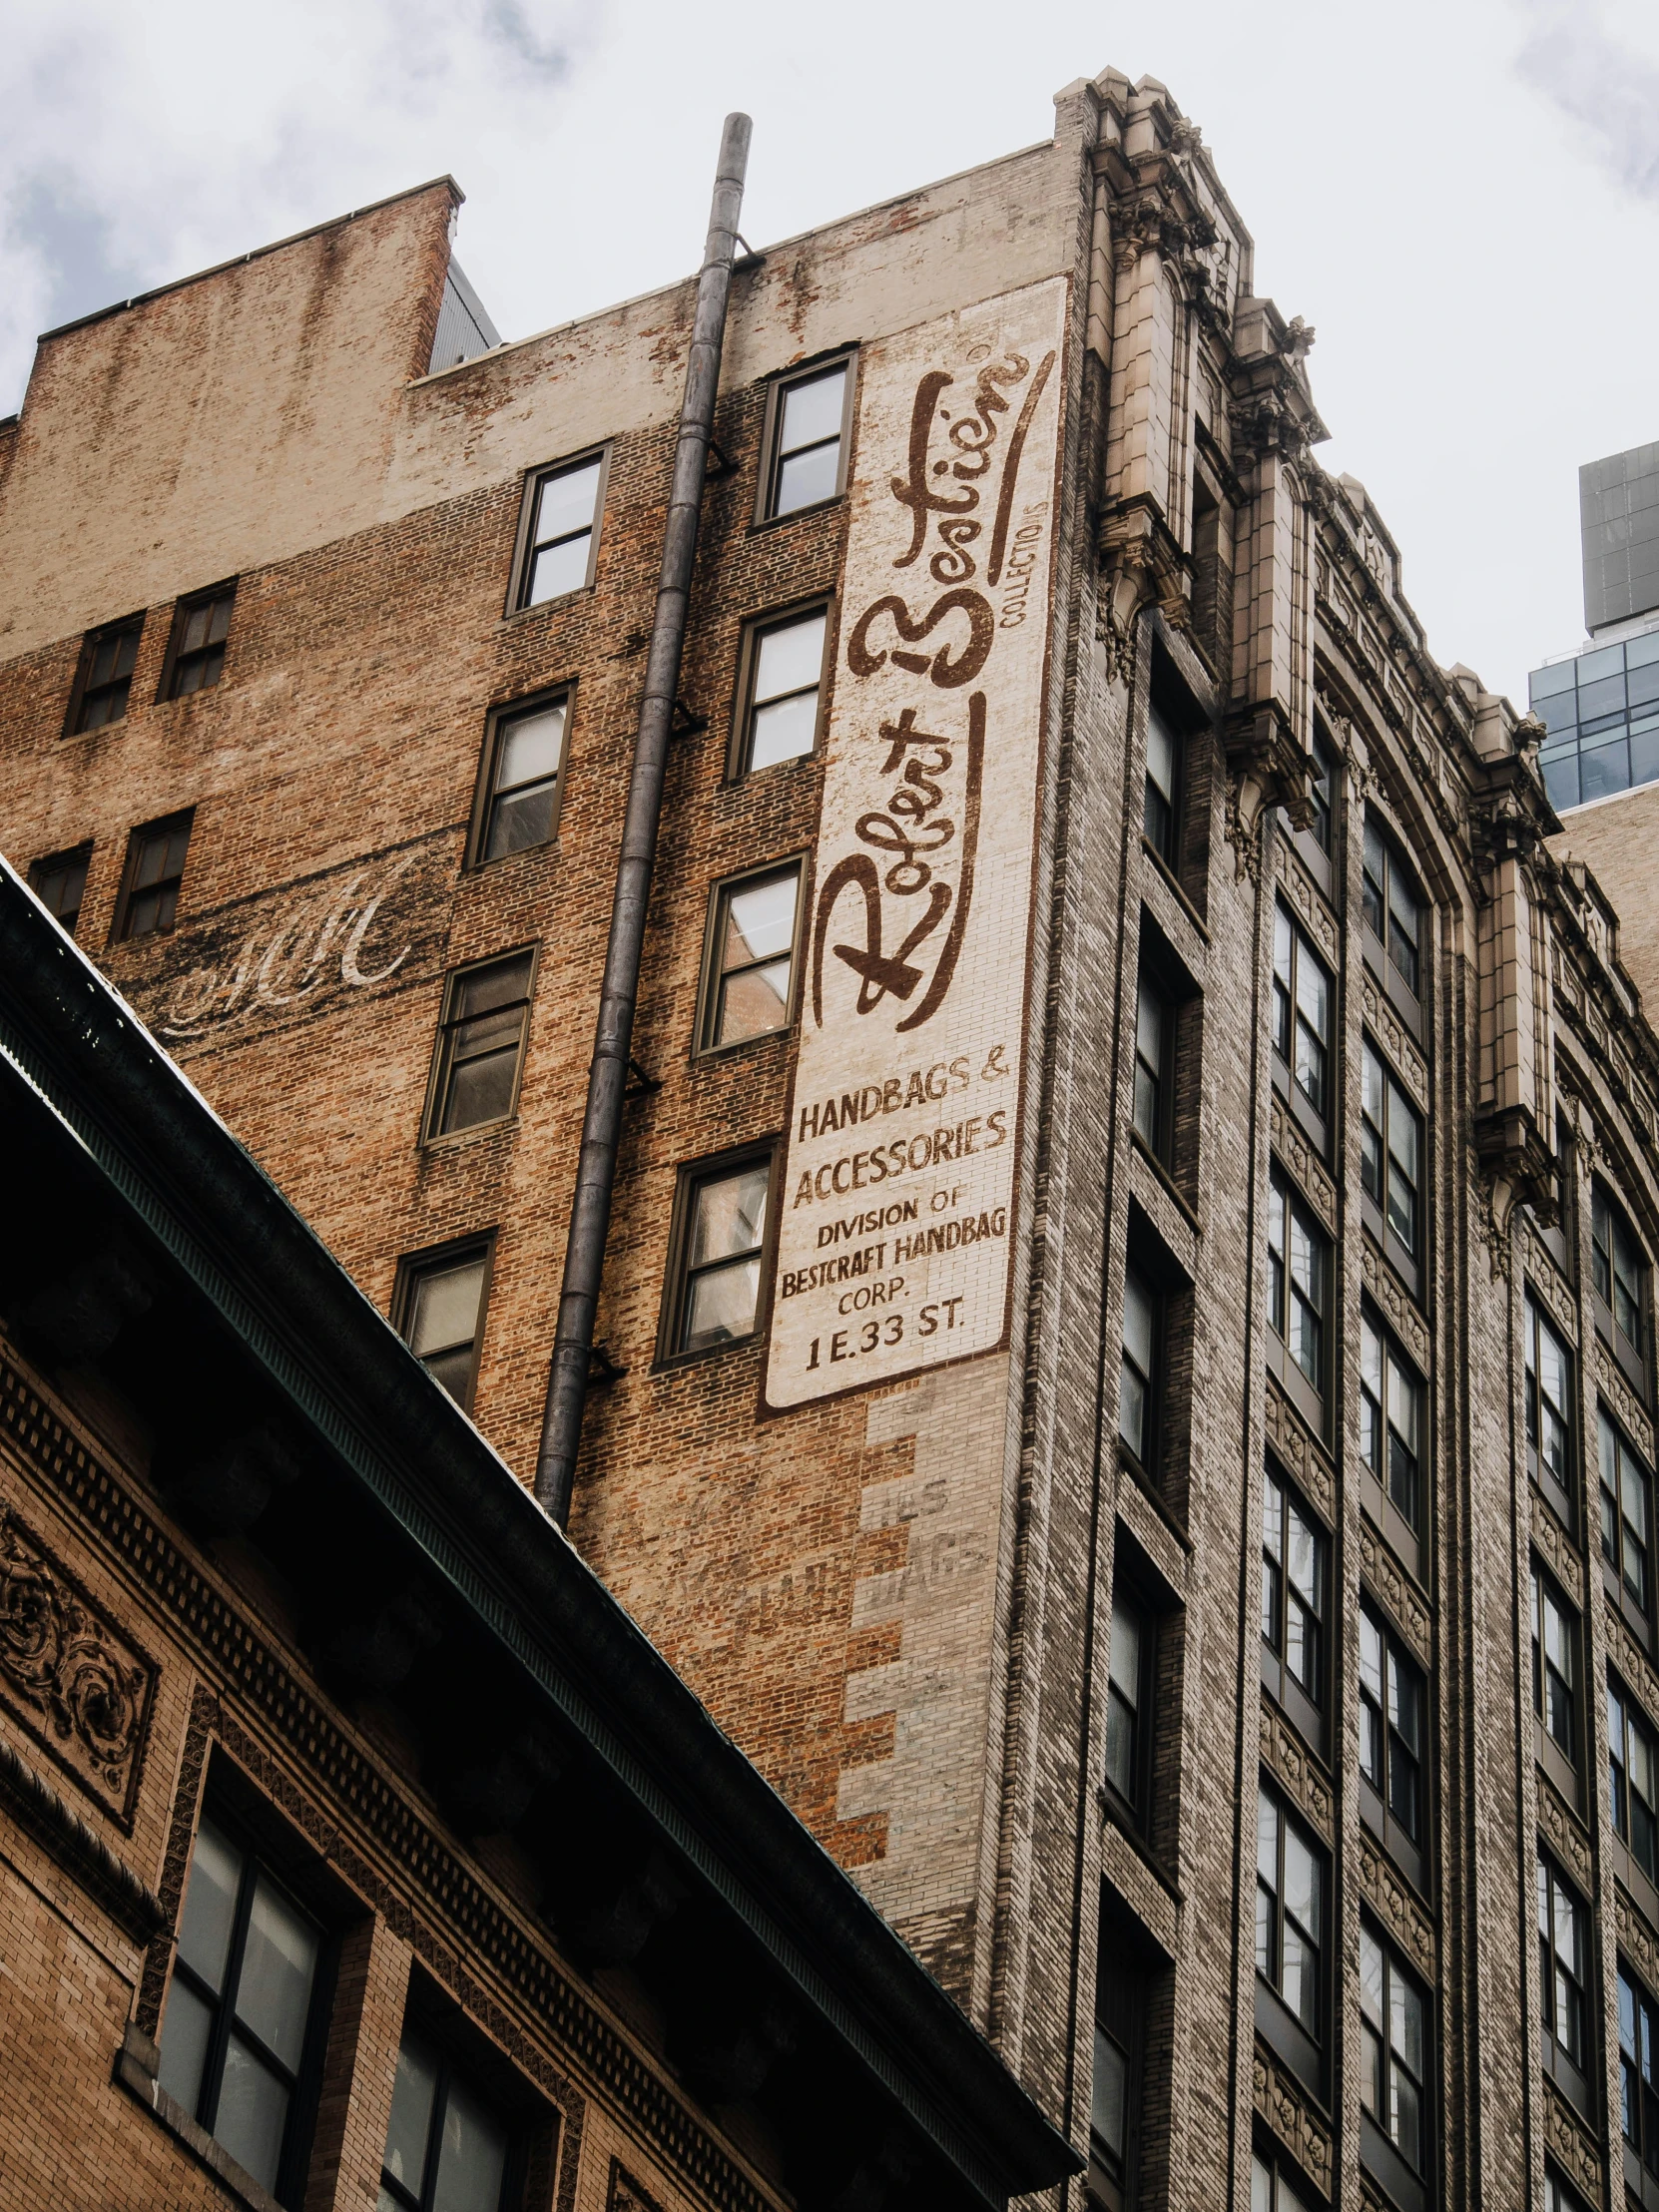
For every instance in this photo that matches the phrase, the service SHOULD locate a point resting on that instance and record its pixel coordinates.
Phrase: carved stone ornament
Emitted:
(626, 2194)
(1636, 1937)
(1283, 2106)
(1570, 2145)
(1266, 767)
(1389, 1582)
(1554, 1546)
(1140, 566)
(1566, 1837)
(81, 1688)
(1392, 1900)
(1296, 1770)
(1304, 1458)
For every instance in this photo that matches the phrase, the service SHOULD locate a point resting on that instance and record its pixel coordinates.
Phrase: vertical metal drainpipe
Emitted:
(590, 1207)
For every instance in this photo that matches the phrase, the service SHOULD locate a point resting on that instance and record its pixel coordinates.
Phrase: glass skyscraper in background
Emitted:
(1601, 703)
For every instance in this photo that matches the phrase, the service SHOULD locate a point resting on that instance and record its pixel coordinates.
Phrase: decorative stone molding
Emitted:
(37, 1808)
(1402, 1050)
(1398, 1307)
(626, 2194)
(1554, 1546)
(1302, 1455)
(1561, 1829)
(1390, 1898)
(1295, 1768)
(1280, 2102)
(1298, 1156)
(1266, 767)
(1564, 2134)
(1634, 1663)
(1141, 565)
(1305, 902)
(1548, 1285)
(1631, 1415)
(1390, 1582)
(1636, 1937)
(79, 1685)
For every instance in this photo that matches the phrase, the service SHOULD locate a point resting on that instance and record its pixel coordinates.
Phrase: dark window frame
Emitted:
(1557, 1698)
(1155, 1079)
(1631, 1355)
(449, 1021)
(522, 574)
(1573, 2075)
(438, 2048)
(1615, 1546)
(62, 864)
(1149, 1458)
(168, 826)
(414, 1267)
(1318, 853)
(1405, 1840)
(1556, 1483)
(1288, 2189)
(1130, 1788)
(175, 657)
(1380, 2153)
(1304, 2049)
(1390, 1471)
(1307, 1703)
(306, 2080)
(711, 976)
(1161, 836)
(690, 1177)
(766, 515)
(74, 725)
(1632, 1815)
(1638, 2033)
(497, 722)
(1287, 1024)
(739, 738)
(1312, 1396)
(1409, 1261)
(1411, 1001)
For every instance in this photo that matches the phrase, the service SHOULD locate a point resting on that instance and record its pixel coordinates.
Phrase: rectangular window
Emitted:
(1394, 911)
(1393, 1711)
(808, 435)
(1394, 2070)
(1138, 1373)
(1129, 1676)
(1557, 2196)
(1392, 1404)
(561, 530)
(714, 1285)
(108, 659)
(1391, 1158)
(1550, 1409)
(480, 1046)
(1555, 1667)
(1289, 1937)
(784, 674)
(1620, 1275)
(1298, 1281)
(155, 869)
(1626, 1490)
(1295, 1584)
(1639, 2070)
(1631, 1792)
(748, 966)
(1322, 788)
(1154, 1068)
(239, 2029)
(1163, 778)
(60, 884)
(438, 1310)
(1303, 998)
(1118, 2087)
(518, 801)
(1564, 1980)
(196, 649)
(1271, 2189)
(446, 2147)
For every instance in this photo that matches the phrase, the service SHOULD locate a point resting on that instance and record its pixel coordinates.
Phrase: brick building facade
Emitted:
(1264, 1184)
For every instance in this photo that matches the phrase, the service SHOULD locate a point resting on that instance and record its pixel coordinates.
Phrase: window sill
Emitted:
(671, 1363)
(1167, 1182)
(452, 1138)
(710, 1055)
(546, 606)
(1149, 1490)
(1168, 877)
(817, 507)
(1120, 1816)
(136, 2068)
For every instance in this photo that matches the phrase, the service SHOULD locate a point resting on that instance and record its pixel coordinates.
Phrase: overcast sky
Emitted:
(1461, 197)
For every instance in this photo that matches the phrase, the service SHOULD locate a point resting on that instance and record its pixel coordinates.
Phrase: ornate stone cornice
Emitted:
(1266, 767)
(1141, 565)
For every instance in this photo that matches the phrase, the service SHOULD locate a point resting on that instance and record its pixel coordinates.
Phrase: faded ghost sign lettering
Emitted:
(371, 925)
(896, 1194)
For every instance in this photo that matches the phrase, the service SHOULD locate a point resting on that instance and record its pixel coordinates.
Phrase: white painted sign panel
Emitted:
(896, 1199)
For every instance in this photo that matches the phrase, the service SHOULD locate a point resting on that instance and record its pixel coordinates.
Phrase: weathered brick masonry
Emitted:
(899, 1600)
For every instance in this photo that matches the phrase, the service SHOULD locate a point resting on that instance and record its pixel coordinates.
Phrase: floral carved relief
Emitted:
(1386, 1287)
(1297, 1155)
(1293, 1766)
(1281, 2106)
(1408, 1059)
(1631, 1417)
(1395, 1905)
(1291, 1439)
(1389, 1582)
(1551, 1540)
(80, 1687)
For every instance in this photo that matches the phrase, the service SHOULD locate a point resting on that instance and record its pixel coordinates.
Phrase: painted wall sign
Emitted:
(373, 924)
(896, 1194)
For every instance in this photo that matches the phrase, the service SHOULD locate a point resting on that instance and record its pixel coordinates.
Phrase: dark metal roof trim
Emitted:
(95, 1068)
